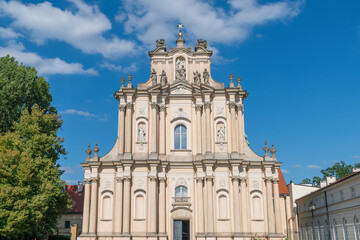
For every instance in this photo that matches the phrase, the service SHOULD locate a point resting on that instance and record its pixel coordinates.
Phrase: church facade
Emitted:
(181, 167)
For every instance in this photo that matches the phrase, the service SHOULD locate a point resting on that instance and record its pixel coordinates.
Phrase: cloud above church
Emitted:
(232, 22)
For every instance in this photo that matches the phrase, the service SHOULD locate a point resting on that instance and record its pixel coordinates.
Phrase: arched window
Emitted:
(181, 194)
(356, 228)
(335, 233)
(180, 137)
(345, 231)
(319, 231)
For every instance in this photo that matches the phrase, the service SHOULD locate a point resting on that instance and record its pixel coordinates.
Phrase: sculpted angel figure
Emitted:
(163, 77)
(221, 134)
(141, 134)
(153, 77)
(206, 76)
(197, 77)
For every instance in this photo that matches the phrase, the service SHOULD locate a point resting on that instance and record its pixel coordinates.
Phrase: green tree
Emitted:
(339, 170)
(32, 194)
(316, 181)
(306, 181)
(20, 88)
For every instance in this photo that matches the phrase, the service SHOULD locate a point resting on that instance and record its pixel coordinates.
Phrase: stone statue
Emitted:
(141, 134)
(163, 77)
(202, 43)
(160, 43)
(221, 134)
(197, 77)
(206, 76)
(153, 77)
(180, 74)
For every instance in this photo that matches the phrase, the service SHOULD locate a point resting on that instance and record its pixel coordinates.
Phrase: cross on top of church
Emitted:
(180, 26)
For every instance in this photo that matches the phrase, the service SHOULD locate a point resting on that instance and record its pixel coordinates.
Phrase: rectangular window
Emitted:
(67, 224)
(332, 198)
(353, 193)
(341, 195)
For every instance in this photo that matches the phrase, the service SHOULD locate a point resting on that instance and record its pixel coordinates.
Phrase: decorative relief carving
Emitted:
(142, 111)
(219, 110)
(179, 90)
(180, 113)
(222, 183)
(181, 181)
(180, 71)
(107, 184)
(139, 183)
(255, 185)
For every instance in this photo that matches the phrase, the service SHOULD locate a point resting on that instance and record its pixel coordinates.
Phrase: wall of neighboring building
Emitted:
(72, 218)
(336, 211)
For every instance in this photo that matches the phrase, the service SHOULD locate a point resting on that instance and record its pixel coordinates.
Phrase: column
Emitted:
(200, 204)
(210, 209)
(240, 108)
(121, 128)
(235, 181)
(270, 206)
(85, 224)
(118, 205)
(128, 125)
(93, 208)
(162, 205)
(232, 106)
(207, 106)
(153, 208)
(162, 146)
(198, 128)
(153, 127)
(278, 226)
(126, 211)
(244, 206)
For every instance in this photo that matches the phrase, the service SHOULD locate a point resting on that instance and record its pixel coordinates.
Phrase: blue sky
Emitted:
(299, 61)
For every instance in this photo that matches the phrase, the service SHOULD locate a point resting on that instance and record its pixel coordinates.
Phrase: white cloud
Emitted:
(82, 28)
(72, 182)
(46, 66)
(150, 20)
(355, 157)
(76, 113)
(8, 33)
(297, 166)
(118, 68)
(313, 167)
(284, 171)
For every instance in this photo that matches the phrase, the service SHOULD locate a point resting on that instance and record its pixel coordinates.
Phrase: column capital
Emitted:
(162, 107)
(153, 105)
(207, 105)
(209, 178)
(243, 179)
(87, 181)
(232, 105)
(119, 179)
(153, 178)
(129, 105)
(267, 179)
(127, 178)
(198, 107)
(235, 178)
(275, 180)
(199, 179)
(162, 179)
(240, 107)
(95, 180)
(122, 107)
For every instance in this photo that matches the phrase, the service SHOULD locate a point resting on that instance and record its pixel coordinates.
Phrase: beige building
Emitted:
(331, 212)
(181, 167)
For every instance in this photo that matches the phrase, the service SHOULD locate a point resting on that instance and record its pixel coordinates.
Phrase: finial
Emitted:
(273, 151)
(266, 150)
(238, 80)
(88, 153)
(180, 26)
(129, 83)
(122, 80)
(231, 77)
(96, 150)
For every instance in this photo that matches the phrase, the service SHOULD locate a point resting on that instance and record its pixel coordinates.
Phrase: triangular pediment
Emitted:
(180, 88)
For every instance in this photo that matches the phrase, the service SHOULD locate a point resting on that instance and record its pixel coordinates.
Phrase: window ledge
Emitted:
(180, 150)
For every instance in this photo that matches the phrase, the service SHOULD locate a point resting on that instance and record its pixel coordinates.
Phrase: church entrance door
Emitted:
(181, 230)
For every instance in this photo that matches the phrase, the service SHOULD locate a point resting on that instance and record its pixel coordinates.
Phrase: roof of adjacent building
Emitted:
(282, 185)
(77, 197)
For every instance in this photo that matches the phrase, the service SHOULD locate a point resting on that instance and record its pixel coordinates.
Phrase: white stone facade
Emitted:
(181, 167)
(332, 212)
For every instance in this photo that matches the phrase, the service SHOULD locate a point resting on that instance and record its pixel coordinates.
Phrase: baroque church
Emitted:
(181, 167)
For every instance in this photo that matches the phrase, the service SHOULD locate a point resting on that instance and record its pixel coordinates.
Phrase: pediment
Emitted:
(180, 88)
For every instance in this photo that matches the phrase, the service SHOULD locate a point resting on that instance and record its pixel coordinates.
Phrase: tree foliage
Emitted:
(20, 88)
(31, 192)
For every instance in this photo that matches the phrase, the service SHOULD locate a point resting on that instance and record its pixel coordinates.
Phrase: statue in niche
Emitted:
(153, 77)
(180, 71)
(197, 77)
(221, 132)
(163, 77)
(206, 76)
(141, 133)
(202, 43)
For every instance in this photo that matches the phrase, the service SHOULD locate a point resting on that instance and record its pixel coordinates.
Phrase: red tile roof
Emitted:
(78, 198)
(282, 185)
